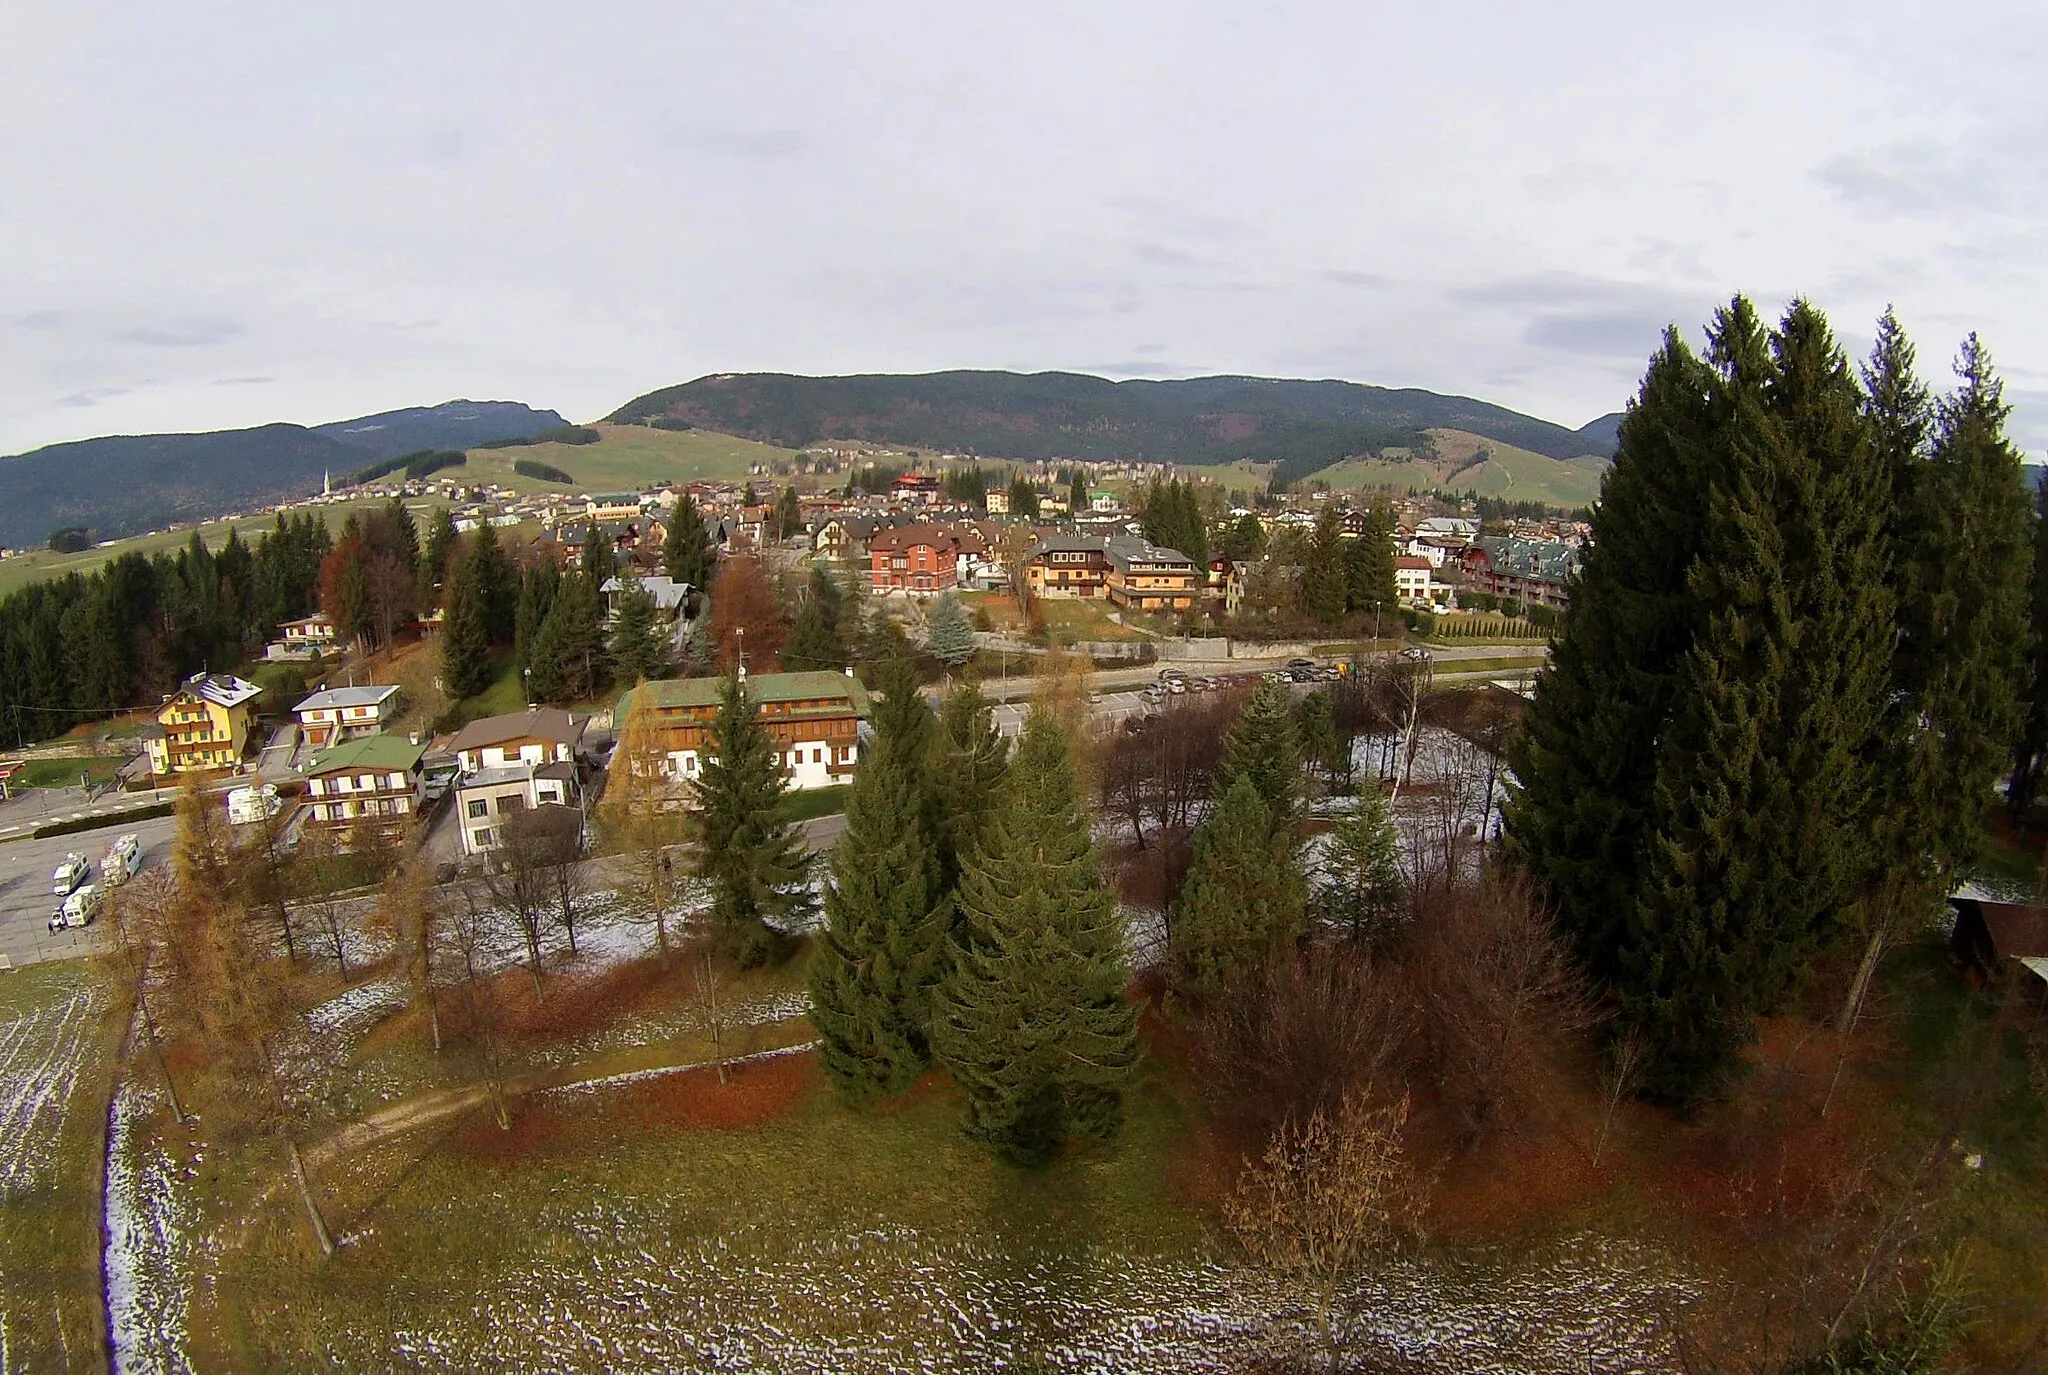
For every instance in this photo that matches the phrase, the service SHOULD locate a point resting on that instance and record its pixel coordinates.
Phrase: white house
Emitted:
(488, 798)
(1415, 582)
(538, 735)
(336, 714)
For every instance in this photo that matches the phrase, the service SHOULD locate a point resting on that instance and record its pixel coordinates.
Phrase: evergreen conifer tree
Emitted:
(1369, 564)
(569, 660)
(1077, 493)
(812, 645)
(1965, 620)
(1584, 762)
(887, 914)
(1023, 498)
(948, 636)
(465, 646)
(537, 588)
(969, 760)
(1263, 748)
(434, 558)
(1764, 794)
(496, 584)
(639, 640)
(598, 562)
(2030, 754)
(1243, 900)
(1032, 1021)
(755, 865)
(686, 553)
(1246, 539)
(1361, 884)
(1325, 587)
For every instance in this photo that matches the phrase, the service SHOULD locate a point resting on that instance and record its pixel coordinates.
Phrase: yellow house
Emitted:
(203, 725)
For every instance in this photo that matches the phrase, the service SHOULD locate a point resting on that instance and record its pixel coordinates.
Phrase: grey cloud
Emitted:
(242, 381)
(92, 397)
(1165, 255)
(1361, 280)
(1598, 334)
(2029, 424)
(1182, 222)
(759, 145)
(1145, 368)
(194, 334)
(39, 319)
(1999, 173)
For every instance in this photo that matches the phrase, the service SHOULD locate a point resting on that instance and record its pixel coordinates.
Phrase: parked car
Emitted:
(80, 907)
(1167, 675)
(70, 874)
(1298, 664)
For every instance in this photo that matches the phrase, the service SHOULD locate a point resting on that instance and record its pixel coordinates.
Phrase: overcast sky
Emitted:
(218, 214)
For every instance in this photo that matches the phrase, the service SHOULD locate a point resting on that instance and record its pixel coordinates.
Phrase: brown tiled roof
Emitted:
(2018, 930)
(541, 723)
(908, 536)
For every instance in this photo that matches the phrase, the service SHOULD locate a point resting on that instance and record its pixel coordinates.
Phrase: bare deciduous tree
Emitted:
(408, 912)
(138, 918)
(1333, 1194)
(471, 928)
(518, 883)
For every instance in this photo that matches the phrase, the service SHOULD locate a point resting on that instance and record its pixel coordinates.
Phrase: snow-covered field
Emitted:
(150, 1224)
(892, 1299)
(47, 1058)
(40, 1055)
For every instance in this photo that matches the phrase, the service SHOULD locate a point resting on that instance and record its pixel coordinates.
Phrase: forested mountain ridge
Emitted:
(1305, 425)
(125, 484)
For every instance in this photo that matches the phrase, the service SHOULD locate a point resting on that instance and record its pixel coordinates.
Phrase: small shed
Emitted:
(2002, 940)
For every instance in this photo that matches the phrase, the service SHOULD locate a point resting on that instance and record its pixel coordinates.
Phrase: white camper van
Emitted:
(121, 861)
(80, 908)
(75, 869)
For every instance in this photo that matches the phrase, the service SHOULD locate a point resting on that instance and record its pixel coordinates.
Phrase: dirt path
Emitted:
(439, 1105)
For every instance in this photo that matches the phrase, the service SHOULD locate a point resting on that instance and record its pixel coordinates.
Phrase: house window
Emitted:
(483, 839)
(511, 803)
(479, 806)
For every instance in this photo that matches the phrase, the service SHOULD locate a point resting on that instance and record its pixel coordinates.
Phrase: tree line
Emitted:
(81, 647)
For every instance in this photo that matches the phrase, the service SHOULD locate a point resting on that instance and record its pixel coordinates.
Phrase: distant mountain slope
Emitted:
(1305, 425)
(1602, 436)
(450, 425)
(124, 484)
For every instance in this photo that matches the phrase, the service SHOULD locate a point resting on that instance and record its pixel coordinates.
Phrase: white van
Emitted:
(75, 869)
(80, 908)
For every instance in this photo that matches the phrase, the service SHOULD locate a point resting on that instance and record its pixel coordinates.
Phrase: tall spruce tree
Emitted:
(969, 760)
(638, 641)
(2030, 753)
(1264, 749)
(1032, 1021)
(1965, 639)
(496, 583)
(1765, 798)
(817, 639)
(537, 588)
(569, 658)
(597, 562)
(465, 645)
(1584, 763)
(1360, 886)
(948, 636)
(686, 552)
(885, 943)
(1325, 586)
(440, 544)
(1369, 564)
(1243, 901)
(755, 864)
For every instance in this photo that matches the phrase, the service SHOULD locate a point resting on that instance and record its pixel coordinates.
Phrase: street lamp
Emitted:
(526, 682)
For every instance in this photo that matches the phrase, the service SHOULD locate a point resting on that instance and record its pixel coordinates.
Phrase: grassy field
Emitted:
(62, 771)
(1517, 474)
(806, 803)
(56, 1050)
(628, 458)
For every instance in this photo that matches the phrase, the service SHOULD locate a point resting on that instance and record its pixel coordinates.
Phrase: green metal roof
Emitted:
(384, 753)
(670, 693)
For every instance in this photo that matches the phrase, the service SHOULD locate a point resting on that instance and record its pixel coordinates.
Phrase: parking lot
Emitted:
(26, 899)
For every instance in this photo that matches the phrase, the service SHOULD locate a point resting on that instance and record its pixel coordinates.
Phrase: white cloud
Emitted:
(384, 205)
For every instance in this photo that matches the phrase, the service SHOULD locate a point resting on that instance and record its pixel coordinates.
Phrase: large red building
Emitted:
(919, 559)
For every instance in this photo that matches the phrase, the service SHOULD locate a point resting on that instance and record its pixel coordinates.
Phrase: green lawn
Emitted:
(628, 458)
(62, 771)
(55, 1056)
(805, 803)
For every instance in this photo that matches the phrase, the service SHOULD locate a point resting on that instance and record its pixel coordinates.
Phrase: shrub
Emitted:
(72, 539)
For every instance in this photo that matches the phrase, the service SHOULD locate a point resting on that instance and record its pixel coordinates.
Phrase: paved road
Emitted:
(25, 897)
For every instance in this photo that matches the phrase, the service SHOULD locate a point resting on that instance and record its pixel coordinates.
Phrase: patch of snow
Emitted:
(149, 1248)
